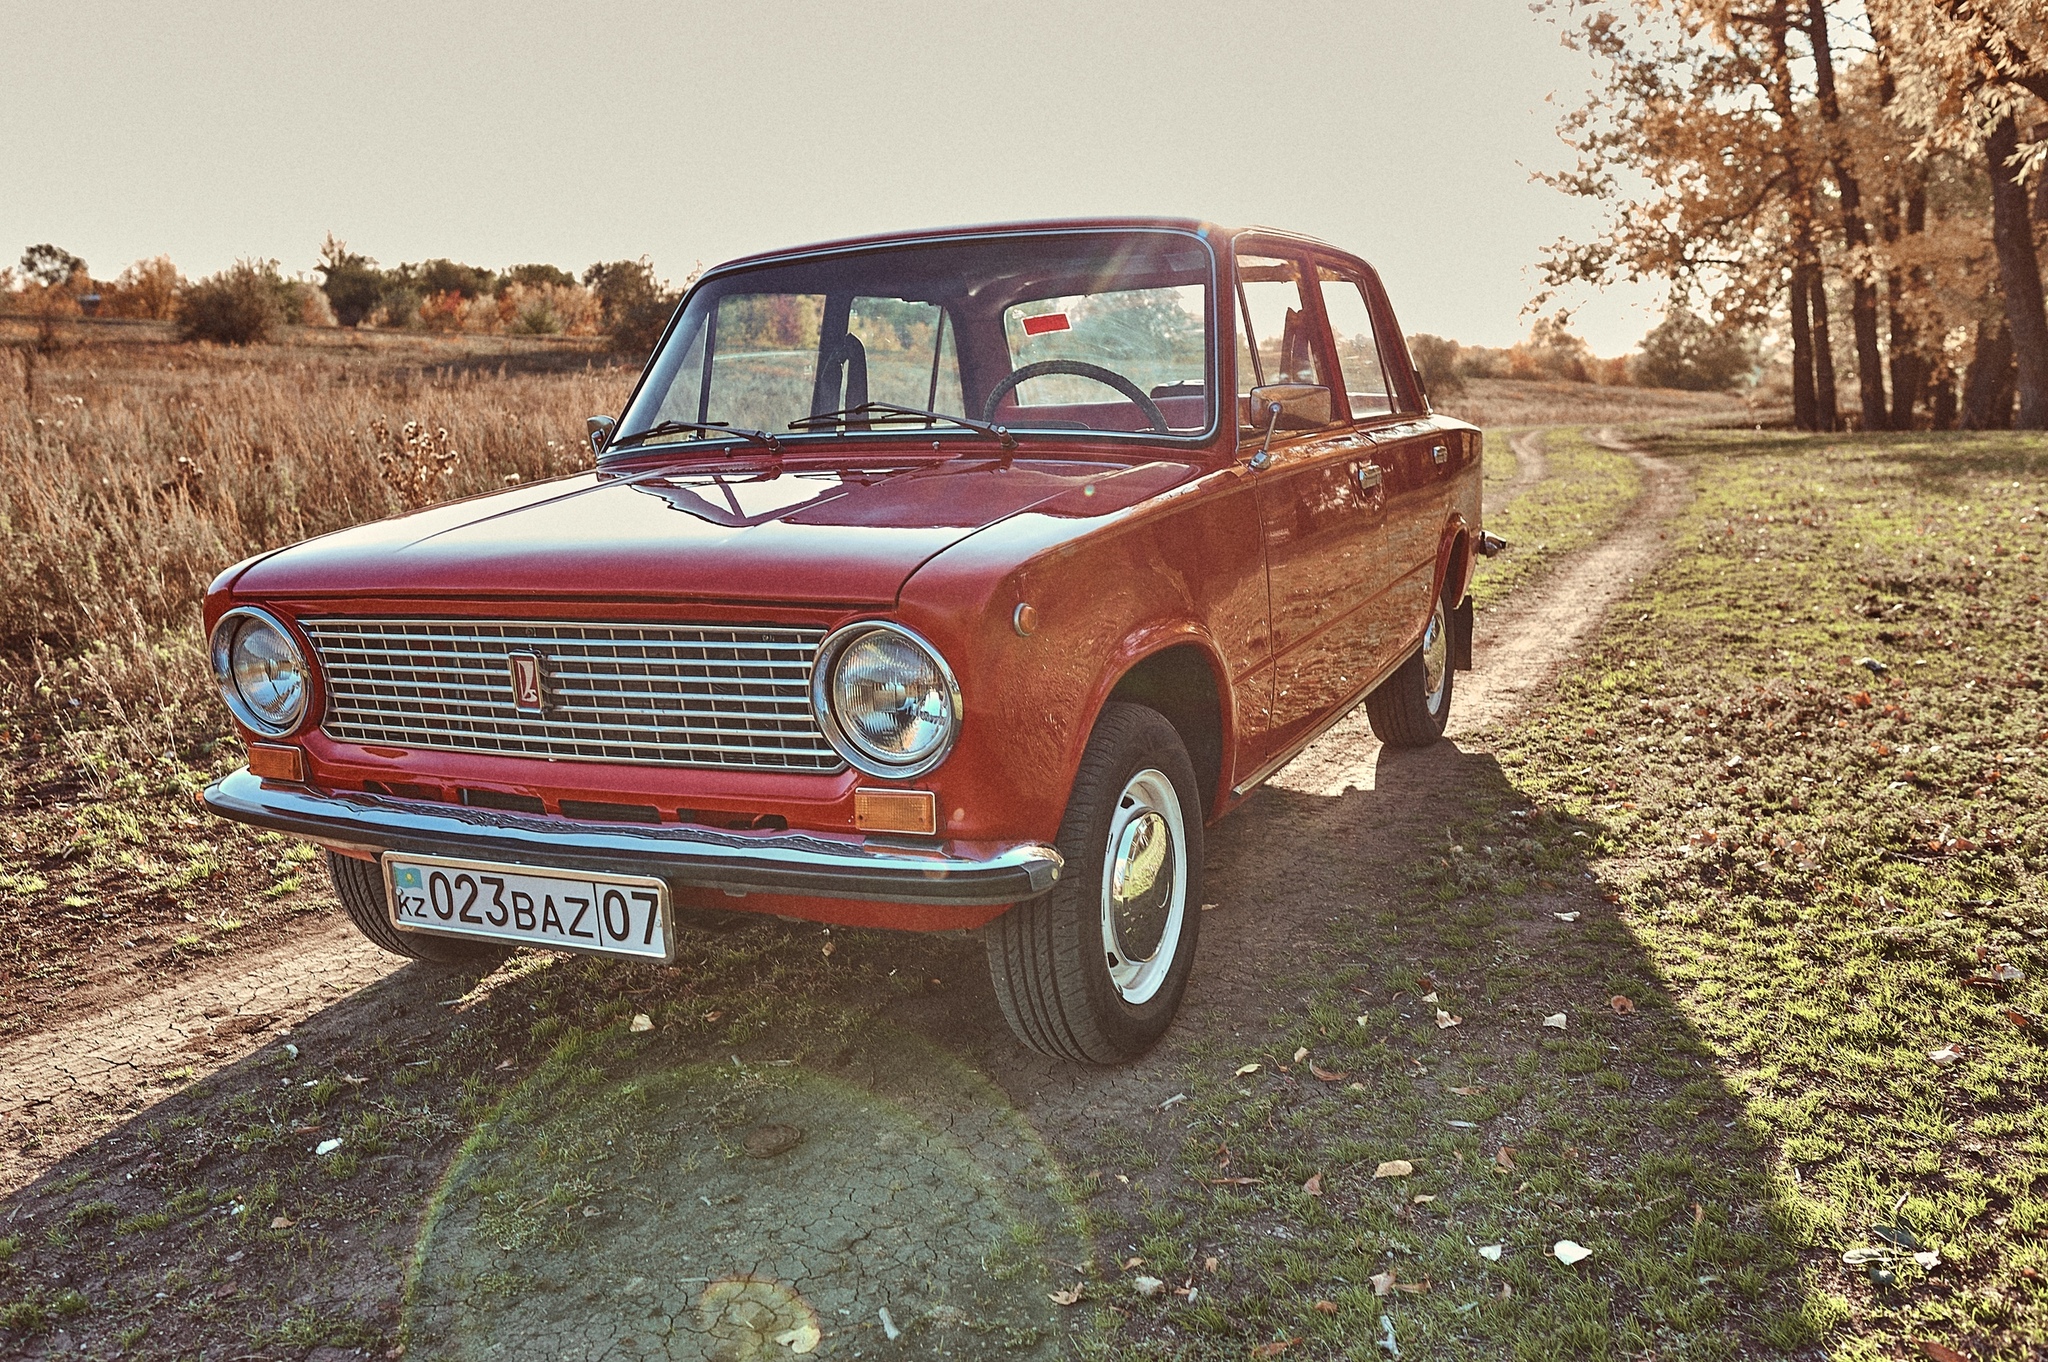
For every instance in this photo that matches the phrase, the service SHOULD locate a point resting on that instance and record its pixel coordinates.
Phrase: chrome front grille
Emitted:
(672, 695)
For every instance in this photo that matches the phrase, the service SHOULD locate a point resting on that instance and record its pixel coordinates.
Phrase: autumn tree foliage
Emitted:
(1851, 168)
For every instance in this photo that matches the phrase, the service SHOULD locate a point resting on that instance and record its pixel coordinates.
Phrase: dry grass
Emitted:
(133, 470)
(1507, 403)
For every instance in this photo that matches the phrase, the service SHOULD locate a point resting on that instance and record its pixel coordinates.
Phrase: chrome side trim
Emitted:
(808, 864)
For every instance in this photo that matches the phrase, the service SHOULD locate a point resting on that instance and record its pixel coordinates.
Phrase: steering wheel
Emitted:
(1079, 369)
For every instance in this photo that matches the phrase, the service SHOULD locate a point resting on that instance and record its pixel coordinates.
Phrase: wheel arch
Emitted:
(1184, 681)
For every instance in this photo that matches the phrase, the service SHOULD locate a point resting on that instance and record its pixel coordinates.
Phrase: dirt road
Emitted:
(984, 1124)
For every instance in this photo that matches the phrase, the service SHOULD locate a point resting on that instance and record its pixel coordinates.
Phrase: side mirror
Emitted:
(1303, 406)
(599, 428)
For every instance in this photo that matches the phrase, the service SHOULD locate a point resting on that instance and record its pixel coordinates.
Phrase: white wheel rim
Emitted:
(1144, 886)
(1436, 658)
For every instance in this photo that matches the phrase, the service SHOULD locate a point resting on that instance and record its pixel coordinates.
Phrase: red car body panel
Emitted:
(1288, 592)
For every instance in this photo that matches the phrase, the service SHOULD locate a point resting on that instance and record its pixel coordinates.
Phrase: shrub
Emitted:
(147, 288)
(353, 284)
(1437, 359)
(635, 304)
(241, 305)
(1687, 351)
(1552, 352)
(534, 275)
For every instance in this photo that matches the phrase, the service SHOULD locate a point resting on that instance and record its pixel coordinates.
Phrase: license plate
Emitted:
(563, 910)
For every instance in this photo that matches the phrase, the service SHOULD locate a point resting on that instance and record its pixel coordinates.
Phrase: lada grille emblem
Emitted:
(526, 693)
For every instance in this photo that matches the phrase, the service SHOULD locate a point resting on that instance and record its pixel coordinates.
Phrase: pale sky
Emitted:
(496, 134)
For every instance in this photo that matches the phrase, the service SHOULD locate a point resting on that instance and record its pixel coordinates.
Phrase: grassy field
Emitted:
(1731, 973)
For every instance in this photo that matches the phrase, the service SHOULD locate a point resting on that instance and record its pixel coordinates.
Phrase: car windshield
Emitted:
(1035, 332)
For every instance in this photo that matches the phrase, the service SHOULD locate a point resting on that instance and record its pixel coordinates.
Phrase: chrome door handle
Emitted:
(1439, 453)
(1367, 477)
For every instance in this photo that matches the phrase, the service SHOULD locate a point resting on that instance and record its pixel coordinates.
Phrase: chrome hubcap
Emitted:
(1436, 658)
(1144, 886)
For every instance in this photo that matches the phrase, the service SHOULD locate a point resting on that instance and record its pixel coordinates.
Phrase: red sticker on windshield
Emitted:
(1051, 321)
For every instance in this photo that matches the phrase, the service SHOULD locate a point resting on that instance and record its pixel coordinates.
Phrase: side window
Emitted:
(1358, 354)
(908, 351)
(1278, 324)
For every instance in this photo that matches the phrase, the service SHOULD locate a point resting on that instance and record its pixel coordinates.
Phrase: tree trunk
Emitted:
(1802, 354)
(1829, 416)
(1862, 292)
(1941, 404)
(1987, 383)
(2019, 275)
(1909, 366)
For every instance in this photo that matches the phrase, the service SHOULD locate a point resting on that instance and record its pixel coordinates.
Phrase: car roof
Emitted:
(1195, 225)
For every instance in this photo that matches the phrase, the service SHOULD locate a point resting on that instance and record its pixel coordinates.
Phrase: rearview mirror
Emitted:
(1302, 406)
(599, 428)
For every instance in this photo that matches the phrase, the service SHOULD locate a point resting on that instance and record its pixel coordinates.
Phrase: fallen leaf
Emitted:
(1505, 1157)
(1445, 1021)
(1394, 1168)
(1945, 1056)
(1572, 916)
(1071, 1296)
(2018, 1018)
(1555, 1019)
(1507, 1292)
(713, 1016)
(1244, 1069)
(828, 948)
(1148, 1287)
(1467, 1092)
(1622, 1004)
(1568, 1252)
(1928, 1260)
(327, 1146)
(1362, 1021)
(1940, 1352)
(1301, 1054)
(641, 1022)
(1314, 1186)
(1355, 1087)
(802, 1339)
(1413, 1288)
(1490, 1252)
(1422, 1199)
(278, 1222)
(1209, 1265)
(1328, 1075)
(354, 1080)
(1130, 1263)
(1383, 1282)
(1326, 1307)
(2007, 974)
(1275, 1348)
(1430, 996)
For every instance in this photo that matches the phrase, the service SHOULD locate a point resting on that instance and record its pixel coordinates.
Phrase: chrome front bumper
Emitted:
(806, 864)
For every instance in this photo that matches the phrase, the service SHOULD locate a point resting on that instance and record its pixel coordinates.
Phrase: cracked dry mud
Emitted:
(926, 1188)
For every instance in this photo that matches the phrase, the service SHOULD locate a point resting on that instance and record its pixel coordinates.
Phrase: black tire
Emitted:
(360, 887)
(1406, 711)
(1056, 975)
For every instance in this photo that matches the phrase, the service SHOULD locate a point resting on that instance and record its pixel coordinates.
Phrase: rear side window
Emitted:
(1358, 353)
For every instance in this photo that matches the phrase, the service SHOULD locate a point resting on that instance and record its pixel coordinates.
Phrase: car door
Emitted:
(1409, 455)
(1319, 509)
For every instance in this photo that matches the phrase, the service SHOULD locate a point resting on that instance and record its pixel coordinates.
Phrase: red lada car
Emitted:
(955, 579)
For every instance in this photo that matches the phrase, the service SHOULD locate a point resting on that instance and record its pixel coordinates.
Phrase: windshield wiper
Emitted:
(884, 413)
(640, 437)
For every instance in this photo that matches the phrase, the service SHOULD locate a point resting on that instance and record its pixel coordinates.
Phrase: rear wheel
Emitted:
(1094, 969)
(1412, 706)
(360, 887)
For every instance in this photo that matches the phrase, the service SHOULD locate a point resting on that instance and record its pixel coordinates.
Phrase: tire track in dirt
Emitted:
(60, 1087)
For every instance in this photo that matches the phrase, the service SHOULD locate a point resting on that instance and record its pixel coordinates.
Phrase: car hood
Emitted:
(800, 534)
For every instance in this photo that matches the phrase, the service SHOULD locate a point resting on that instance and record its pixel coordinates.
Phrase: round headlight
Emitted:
(262, 674)
(886, 699)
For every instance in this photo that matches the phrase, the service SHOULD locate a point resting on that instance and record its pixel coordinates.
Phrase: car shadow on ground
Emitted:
(823, 1143)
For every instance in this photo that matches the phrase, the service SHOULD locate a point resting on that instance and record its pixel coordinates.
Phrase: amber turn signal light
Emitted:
(275, 761)
(896, 811)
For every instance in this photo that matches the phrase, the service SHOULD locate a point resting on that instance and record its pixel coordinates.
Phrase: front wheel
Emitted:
(360, 887)
(1094, 969)
(1411, 707)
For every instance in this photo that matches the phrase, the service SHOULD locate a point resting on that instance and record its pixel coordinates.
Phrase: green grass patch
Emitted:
(1583, 494)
